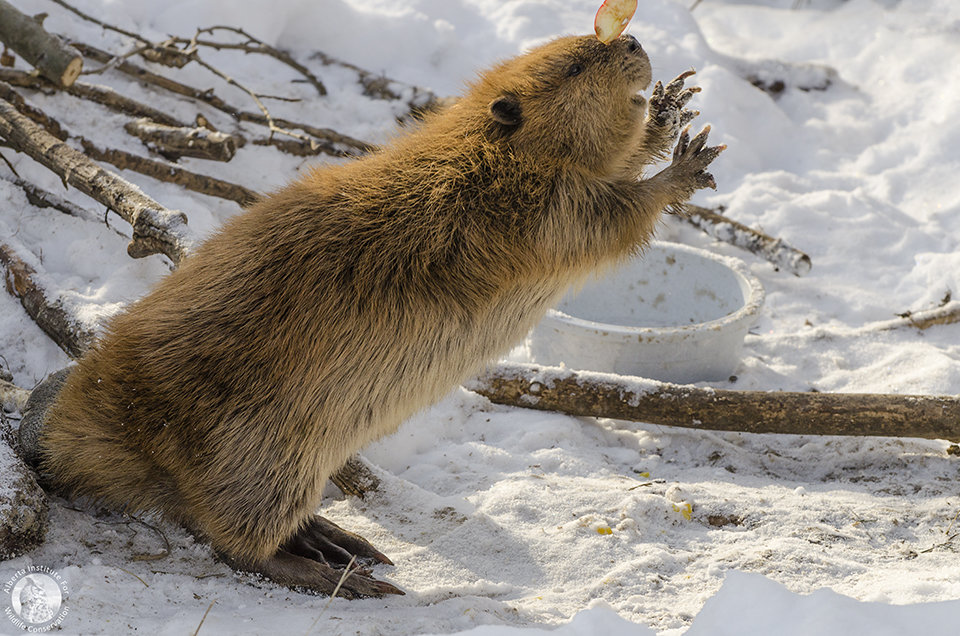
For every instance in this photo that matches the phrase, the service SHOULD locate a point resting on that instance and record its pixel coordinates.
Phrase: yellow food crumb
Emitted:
(644, 474)
(604, 530)
(686, 509)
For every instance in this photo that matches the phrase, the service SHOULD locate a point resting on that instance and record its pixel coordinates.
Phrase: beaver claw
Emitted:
(666, 113)
(691, 158)
(324, 541)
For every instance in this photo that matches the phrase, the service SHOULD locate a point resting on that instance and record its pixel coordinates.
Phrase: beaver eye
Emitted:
(575, 69)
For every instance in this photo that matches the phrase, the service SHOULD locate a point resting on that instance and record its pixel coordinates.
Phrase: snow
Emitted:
(497, 517)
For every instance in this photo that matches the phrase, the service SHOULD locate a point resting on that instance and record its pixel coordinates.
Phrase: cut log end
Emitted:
(71, 72)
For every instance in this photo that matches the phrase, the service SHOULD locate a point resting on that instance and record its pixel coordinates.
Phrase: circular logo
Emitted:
(35, 598)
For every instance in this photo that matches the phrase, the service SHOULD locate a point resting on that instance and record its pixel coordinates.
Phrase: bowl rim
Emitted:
(751, 306)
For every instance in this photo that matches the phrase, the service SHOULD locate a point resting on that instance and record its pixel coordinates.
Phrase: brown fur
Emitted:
(334, 309)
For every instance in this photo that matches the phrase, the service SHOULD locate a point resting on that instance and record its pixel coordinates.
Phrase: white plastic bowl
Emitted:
(676, 313)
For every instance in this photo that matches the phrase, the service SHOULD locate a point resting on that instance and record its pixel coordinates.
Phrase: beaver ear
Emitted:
(506, 110)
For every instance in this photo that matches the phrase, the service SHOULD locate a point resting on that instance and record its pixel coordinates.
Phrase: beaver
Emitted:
(332, 310)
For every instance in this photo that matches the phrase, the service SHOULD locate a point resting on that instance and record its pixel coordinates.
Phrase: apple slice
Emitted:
(612, 18)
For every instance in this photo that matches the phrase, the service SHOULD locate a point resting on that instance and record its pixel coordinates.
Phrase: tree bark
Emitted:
(174, 142)
(354, 478)
(727, 230)
(637, 399)
(57, 61)
(155, 228)
(23, 282)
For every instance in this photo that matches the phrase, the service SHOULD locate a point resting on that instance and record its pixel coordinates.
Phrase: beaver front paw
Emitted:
(666, 115)
(687, 173)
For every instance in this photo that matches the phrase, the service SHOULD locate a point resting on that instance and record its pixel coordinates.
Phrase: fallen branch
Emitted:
(725, 229)
(57, 61)
(150, 51)
(170, 173)
(377, 86)
(252, 45)
(155, 228)
(338, 145)
(41, 198)
(22, 282)
(159, 170)
(174, 142)
(946, 314)
(637, 399)
(91, 92)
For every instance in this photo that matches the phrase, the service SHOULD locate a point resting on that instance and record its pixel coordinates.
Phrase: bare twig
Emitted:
(209, 607)
(253, 45)
(378, 86)
(946, 314)
(151, 51)
(133, 575)
(41, 198)
(160, 533)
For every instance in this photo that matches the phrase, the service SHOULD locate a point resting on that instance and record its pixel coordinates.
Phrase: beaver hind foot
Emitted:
(309, 560)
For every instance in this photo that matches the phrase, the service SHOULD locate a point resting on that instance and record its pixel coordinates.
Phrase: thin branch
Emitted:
(153, 52)
(41, 198)
(253, 45)
(99, 94)
(340, 145)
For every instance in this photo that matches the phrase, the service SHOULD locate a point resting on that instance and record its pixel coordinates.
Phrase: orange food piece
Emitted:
(612, 18)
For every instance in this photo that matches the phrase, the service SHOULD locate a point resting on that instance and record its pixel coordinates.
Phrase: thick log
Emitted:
(725, 229)
(56, 60)
(22, 282)
(174, 142)
(641, 400)
(12, 397)
(155, 228)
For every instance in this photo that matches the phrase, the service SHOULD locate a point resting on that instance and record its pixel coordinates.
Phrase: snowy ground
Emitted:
(492, 514)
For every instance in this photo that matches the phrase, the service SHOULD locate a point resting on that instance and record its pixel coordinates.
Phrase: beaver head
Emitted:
(573, 100)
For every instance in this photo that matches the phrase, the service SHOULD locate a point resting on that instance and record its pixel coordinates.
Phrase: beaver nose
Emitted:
(633, 46)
